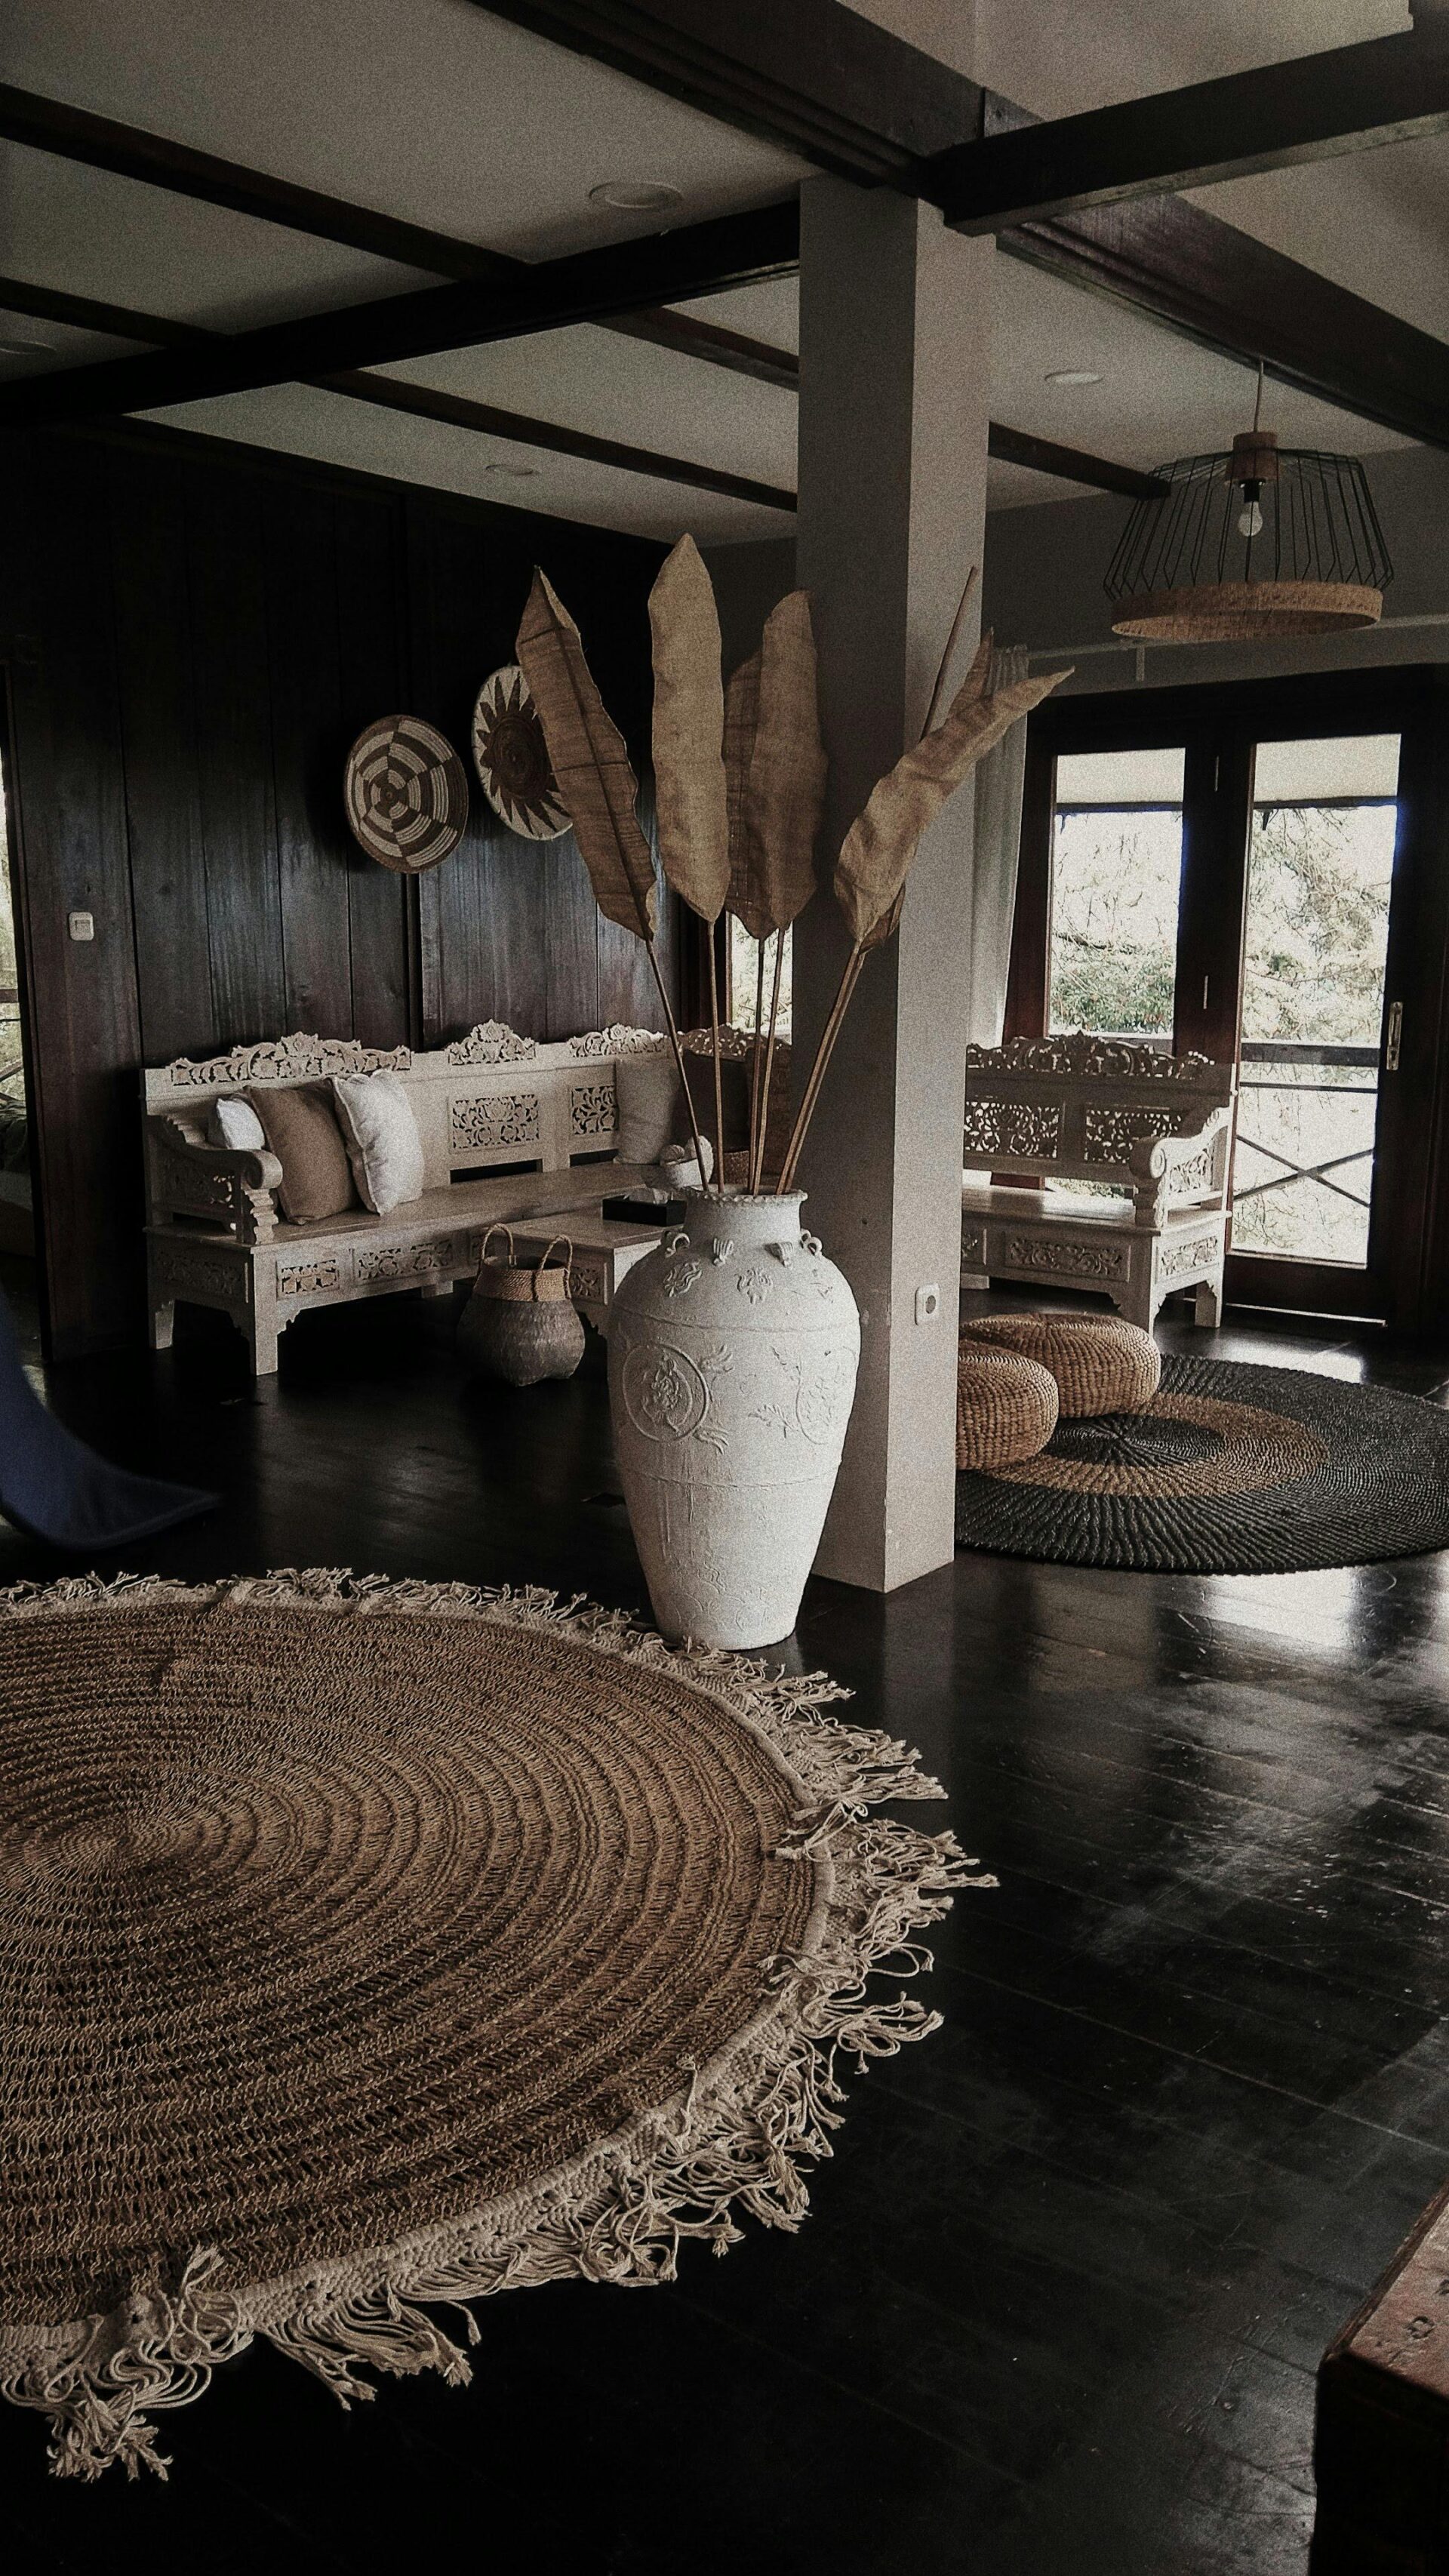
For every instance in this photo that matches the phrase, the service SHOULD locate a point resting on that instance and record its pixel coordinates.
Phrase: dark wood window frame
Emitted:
(1407, 1280)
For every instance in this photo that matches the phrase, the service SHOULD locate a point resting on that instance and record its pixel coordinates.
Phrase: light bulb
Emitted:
(1250, 520)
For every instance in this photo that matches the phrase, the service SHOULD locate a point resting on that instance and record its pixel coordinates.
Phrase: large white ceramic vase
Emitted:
(732, 1360)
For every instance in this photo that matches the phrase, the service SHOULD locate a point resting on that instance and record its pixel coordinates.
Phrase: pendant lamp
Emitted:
(1261, 540)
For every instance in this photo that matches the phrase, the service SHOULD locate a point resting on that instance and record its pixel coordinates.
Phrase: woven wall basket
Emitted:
(519, 1324)
(511, 758)
(407, 794)
(369, 1947)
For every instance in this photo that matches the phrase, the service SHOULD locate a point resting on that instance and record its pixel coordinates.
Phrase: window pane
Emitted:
(1319, 881)
(744, 980)
(1116, 879)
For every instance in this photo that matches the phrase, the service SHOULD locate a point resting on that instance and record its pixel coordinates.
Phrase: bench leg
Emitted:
(163, 1323)
(438, 1288)
(263, 1337)
(1207, 1304)
(1137, 1306)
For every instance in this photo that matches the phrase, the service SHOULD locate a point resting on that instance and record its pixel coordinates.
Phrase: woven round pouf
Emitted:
(1100, 1364)
(371, 1944)
(1006, 1407)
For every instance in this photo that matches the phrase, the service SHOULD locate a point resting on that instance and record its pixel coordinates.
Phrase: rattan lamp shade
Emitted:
(1253, 541)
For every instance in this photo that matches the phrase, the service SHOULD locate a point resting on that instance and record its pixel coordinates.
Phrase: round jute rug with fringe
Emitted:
(368, 1944)
(1230, 1469)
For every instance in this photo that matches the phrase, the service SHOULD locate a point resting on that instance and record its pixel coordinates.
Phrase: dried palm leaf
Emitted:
(881, 845)
(957, 622)
(590, 762)
(689, 769)
(880, 848)
(741, 721)
(592, 772)
(785, 784)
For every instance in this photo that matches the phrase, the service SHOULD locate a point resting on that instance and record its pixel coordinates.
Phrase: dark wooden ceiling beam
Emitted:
(1350, 98)
(812, 76)
(423, 402)
(688, 336)
(86, 313)
(587, 286)
(100, 143)
(389, 393)
(1182, 267)
(1070, 464)
(1166, 258)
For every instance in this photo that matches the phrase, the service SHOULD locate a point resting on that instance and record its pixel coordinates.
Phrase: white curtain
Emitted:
(999, 780)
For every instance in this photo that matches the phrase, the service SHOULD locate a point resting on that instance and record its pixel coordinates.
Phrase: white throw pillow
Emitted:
(647, 1098)
(235, 1124)
(381, 1136)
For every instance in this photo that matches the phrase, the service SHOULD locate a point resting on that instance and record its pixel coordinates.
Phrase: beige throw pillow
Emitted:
(301, 1128)
(649, 1105)
(381, 1136)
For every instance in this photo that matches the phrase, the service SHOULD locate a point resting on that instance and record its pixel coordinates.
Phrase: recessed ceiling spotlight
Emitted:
(1072, 376)
(637, 196)
(517, 473)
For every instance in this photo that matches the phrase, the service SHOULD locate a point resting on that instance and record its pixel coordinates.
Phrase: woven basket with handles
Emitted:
(518, 1324)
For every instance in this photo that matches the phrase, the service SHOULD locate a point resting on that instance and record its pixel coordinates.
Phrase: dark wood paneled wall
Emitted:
(193, 635)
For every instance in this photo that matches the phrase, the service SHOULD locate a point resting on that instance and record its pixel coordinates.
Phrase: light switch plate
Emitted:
(81, 925)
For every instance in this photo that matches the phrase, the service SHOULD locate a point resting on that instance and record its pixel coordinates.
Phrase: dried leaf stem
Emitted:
(755, 1058)
(956, 623)
(757, 1169)
(849, 978)
(718, 1071)
(672, 1027)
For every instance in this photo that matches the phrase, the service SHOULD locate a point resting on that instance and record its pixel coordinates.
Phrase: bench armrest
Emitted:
(233, 1187)
(1191, 1164)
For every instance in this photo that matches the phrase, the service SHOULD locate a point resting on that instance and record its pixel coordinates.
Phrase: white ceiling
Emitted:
(443, 115)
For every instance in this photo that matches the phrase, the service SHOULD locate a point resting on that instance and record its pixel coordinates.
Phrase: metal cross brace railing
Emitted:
(1301, 1172)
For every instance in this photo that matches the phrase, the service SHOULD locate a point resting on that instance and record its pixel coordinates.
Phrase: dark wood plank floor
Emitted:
(1059, 2303)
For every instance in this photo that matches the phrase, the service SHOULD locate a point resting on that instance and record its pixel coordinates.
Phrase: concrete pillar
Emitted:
(894, 381)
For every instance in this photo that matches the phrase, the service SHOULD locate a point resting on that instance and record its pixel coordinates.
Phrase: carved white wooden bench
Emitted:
(215, 1235)
(1154, 1130)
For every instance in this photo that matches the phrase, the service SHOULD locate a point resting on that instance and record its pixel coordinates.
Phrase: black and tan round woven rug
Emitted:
(1229, 1470)
(364, 1945)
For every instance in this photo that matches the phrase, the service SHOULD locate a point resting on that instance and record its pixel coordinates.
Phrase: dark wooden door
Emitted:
(1283, 904)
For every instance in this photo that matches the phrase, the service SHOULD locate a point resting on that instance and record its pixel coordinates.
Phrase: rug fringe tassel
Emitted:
(739, 2139)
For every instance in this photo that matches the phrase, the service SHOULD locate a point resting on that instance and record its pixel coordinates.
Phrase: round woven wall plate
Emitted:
(367, 1944)
(511, 758)
(1230, 1469)
(407, 794)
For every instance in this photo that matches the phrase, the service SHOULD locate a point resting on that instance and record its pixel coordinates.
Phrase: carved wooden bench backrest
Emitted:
(1076, 1107)
(490, 1098)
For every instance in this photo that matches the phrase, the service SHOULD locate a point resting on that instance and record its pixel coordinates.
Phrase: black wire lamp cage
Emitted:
(1260, 541)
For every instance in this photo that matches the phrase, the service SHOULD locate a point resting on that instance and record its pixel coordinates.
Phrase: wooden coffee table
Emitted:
(603, 1251)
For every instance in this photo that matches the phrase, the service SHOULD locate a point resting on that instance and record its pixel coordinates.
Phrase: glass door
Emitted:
(1258, 872)
(1320, 876)
(1116, 890)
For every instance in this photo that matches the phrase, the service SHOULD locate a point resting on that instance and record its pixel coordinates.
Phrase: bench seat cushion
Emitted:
(513, 1194)
(1013, 1199)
